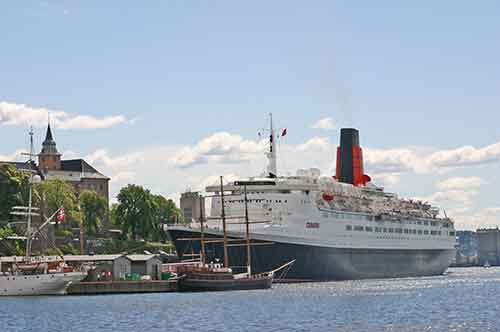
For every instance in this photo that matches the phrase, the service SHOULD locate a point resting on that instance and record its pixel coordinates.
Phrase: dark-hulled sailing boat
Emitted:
(214, 277)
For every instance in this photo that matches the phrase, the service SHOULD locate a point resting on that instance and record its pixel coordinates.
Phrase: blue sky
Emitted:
(155, 81)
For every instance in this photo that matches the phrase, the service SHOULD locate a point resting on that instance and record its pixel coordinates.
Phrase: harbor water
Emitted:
(465, 299)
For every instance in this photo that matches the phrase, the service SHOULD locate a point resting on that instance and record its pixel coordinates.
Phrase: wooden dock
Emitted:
(122, 287)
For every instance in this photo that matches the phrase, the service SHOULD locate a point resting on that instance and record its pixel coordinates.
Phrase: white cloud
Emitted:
(325, 123)
(387, 179)
(452, 196)
(315, 144)
(421, 162)
(220, 147)
(485, 218)
(16, 156)
(124, 177)
(393, 160)
(465, 156)
(12, 114)
(460, 183)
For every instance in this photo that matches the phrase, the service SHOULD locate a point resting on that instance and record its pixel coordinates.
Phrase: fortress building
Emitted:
(75, 171)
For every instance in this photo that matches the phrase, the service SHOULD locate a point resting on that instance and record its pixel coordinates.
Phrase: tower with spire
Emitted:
(49, 159)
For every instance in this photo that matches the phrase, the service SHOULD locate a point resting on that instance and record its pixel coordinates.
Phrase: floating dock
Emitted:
(122, 287)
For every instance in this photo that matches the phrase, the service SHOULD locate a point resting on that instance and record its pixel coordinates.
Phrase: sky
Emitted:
(171, 94)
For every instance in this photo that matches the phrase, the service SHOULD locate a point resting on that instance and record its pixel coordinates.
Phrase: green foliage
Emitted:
(15, 247)
(56, 193)
(14, 187)
(63, 233)
(141, 214)
(68, 249)
(93, 210)
(6, 231)
(112, 214)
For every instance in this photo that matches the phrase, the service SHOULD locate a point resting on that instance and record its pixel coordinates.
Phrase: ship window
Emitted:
(406, 231)
(385, 230)
(419, 222)
(378, 229)
(414, 231)
(452, 233)
(426, 232)
(399, 230)
(433, 232)
(358, 228)
(419, 232)
(348, 228)
(368, 229)
(391, 230)
(433, 223)
(426, 223)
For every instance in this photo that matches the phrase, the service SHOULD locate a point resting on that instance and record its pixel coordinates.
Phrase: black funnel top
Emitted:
(349, 138)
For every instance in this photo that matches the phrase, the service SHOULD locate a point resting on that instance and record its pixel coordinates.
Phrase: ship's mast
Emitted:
(272, 168)
(202, 229)
(30, 198)
(223, 216)
(247, 235)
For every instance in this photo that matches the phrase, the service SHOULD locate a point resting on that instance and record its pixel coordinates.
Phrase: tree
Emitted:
(134, 211)
(140, 213)
(58, 193)
(93, 208)
(14, 187)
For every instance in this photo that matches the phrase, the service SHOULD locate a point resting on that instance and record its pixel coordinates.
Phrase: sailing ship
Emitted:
(337, 227)
(220, 277)
(36, 275)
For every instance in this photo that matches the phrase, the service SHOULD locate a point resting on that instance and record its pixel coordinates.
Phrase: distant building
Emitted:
(489, 246)
(76, 171)
(192, 206)
(467, 248)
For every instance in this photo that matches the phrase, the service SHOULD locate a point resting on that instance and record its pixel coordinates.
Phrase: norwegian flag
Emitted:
(61, 216)
(284, 132)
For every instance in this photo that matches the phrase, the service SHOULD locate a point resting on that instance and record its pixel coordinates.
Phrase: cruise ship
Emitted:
(337, 227)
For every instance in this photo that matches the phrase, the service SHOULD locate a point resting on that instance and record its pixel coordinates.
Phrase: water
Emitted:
(462, 300)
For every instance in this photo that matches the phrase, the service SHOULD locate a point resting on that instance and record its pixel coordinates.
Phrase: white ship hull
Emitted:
(38, 284)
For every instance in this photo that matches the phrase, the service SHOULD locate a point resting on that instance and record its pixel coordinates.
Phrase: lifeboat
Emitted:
(328, 197)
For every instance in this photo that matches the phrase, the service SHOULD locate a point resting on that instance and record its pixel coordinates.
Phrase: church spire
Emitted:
(49, 145)
(48, 136)
(49, 158)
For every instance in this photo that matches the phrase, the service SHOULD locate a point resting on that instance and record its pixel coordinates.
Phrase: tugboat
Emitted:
(36, 276)
(214, 277)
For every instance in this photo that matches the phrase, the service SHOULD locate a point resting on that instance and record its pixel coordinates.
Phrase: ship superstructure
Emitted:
(336, 227)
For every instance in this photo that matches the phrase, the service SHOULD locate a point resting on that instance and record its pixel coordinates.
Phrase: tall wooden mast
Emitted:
(202, 229)
(223, 216)
(247, 235)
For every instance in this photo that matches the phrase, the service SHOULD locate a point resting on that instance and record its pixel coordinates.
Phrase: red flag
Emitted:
(284, 132)
(61, 215)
